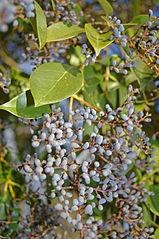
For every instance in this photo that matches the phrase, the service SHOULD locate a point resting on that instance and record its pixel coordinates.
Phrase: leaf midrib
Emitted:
(65, 72)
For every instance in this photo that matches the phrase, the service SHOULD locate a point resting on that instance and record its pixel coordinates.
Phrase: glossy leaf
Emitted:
(53, 82)
(61, 31)
(153, 201)
(98, 41)
(41, 25)
(23, 106)
(106, 7)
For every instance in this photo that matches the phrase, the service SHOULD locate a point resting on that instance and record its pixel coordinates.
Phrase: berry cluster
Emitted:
(89, 55)
(145, 41)
(118, 30)
(65, 12)
(29, 7)
(7, 11)
(89, 173)
(28, 54)
(41, 224)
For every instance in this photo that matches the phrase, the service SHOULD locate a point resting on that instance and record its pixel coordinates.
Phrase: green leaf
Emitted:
(94, 97)
(106, 6)
(131, 77)
(153, 201)
(14, 226)
(2, 174)
(53, 82)
(107, 61)
(107, 21)
(122, 93)
(41, 25)
(141, 19)
(77, 9)
(61, 31)
(23, 106)
(147, 218)
(113, 98)
(157, 233)
(2, 211)
(20, 82)
(127, 49)
(143, 73)
(142, 70)
(112, 85)
(53, 4)
(155, 144)
(98, 41)
(90, 76)
(76, 57)
(32, 20)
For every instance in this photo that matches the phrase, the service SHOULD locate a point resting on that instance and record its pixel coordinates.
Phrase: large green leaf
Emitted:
(157, 233)
(41, 25)
(61, 31)
(52, 82)
(98, 41)
(23, 106)
(141, 19)
(153, 201)
(106, 6)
